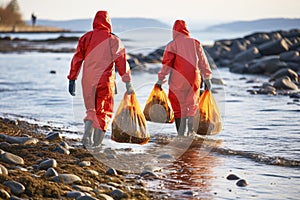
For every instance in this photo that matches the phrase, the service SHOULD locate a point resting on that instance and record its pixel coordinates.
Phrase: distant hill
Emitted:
(119, 24)
(272, 24)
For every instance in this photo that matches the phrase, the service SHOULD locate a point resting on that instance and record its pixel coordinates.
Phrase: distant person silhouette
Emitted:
(33, 19)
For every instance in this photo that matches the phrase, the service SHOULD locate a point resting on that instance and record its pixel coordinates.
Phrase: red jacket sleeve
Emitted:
(203, 63)
(168, 60)
(77, 59)
(119, 58)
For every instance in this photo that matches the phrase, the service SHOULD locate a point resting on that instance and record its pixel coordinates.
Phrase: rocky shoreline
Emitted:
(272, 54)
(36, 162)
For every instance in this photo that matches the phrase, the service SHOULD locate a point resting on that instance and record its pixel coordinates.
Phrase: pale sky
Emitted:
(166, 10)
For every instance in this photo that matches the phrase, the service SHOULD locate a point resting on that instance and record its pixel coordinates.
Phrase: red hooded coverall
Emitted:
(100, 50)
(184, 60)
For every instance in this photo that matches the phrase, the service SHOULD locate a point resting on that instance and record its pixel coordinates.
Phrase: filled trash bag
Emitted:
(158, 107)
(129, 124)
(207, 120)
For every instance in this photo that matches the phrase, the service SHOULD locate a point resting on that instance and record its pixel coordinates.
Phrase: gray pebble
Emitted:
(51, 172)
(147, 173)
(74, 194)
(190, 193)
(61, 150)
(4, 194)
(82, 188)
(86, 197)
(21, 140)
(15, 187)
(232, 177)
(11, 158)
(112, 172)
(84, 164)
(118, 194)
(67, 178)
(92, 172)
(3, 170)
(165, 156)
(47, 164)
(53, 136)
(104, 197)
(241, 183)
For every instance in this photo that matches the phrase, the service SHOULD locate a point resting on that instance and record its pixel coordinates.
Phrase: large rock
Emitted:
(258, 38)
(285, 72)
(290, 56)
(273, 65)
(248, 55)
(238, 68)
(274, 47)
(285, 83)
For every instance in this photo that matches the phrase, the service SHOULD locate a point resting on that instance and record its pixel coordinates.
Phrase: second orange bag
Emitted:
(207, 119)
(129, 124)
(158, 107)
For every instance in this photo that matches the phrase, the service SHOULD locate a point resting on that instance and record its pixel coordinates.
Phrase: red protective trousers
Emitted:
(99, 50)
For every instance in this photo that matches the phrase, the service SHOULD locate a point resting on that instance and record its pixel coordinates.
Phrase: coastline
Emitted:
(31, 29)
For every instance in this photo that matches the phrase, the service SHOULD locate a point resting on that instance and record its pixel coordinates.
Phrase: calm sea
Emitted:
(259, 143)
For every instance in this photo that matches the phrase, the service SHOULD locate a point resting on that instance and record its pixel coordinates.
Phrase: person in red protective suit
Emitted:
(100, 50)
(185, 62)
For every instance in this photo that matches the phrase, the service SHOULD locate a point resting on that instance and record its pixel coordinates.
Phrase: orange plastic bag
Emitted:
(129, 124)
(158, 107)
(207, 120)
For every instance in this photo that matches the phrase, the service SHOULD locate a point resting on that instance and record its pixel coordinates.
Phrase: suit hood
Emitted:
(180, 28)
(102, 21)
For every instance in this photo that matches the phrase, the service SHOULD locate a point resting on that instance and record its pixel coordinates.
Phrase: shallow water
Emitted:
(259, 143)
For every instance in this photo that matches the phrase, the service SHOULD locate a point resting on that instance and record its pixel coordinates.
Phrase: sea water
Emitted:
(259, 142)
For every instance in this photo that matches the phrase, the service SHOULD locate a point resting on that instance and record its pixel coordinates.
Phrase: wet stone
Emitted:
(190, 193)
(53, 136)
(4, 194)
(149, 174)
(104, 197)
(66, 178)
(61, 150)
(21, 140)
(74, 194)
(11, 158)
(241, 183)
(112, 172)
(82, 188)
(84, 164)
(92, 172)
(165, 156)
(65, 145)
(51, 172)
(15, 187)
(47, 164)
(3, 170)
(16, 198)
(86, 197)
(118, 194)
(232, 177)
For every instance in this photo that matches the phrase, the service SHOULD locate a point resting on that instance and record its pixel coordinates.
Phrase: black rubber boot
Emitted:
(87, 135)
(98, 137)
(180, 126)
(191, 130)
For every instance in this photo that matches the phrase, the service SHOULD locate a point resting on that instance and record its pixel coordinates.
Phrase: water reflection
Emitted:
(192, 174)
